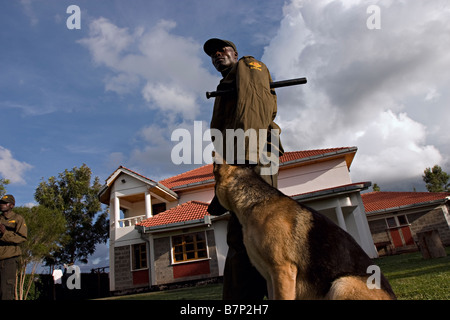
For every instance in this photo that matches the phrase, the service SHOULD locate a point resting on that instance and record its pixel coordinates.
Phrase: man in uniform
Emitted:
(252, 105)
(13, 231)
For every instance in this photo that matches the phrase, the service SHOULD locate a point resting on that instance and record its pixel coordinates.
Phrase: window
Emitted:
(139, 253)
(391, 222)
(158, 208)
(402, 220)
(397, 221)
(188, 247)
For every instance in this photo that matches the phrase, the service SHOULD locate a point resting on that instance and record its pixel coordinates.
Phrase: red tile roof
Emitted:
(191, 210)
(197, 175)
(297, 155)
(204, 173)
(376, 201)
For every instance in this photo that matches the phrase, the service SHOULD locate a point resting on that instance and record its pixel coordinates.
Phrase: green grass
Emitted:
(415, 278)
(411, 278)
(202, 292)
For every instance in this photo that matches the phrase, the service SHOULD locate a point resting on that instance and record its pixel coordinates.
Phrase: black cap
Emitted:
(213, 44)
(8, 198)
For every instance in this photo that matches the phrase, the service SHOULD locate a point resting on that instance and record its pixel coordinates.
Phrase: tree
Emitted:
(3, 183)
(436, 179)
(46, 233)
(73, 195)
(376, 187)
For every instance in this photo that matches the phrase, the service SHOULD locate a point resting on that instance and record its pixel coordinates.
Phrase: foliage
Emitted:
(46, 232)
(3, 183)
(436, 179)
(73, 195)
(376, 187)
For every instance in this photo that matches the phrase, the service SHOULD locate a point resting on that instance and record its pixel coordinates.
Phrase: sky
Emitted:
(112, 92)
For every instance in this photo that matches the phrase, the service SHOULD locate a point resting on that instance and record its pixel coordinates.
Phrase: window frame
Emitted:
(397, 221)
(185, 250)
(142, 256)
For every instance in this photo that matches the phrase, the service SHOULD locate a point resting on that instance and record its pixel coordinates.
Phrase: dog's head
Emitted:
(229, 179)
(223, 172)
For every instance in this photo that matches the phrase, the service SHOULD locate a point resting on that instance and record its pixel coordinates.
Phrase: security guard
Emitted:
(13, 231)
(251, 105)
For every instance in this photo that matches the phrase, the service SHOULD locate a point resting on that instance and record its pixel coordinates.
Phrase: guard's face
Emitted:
(224, 58)
(4, 206)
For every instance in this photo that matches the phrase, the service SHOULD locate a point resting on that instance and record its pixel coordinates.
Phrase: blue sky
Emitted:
(58, 99)
(112, 92)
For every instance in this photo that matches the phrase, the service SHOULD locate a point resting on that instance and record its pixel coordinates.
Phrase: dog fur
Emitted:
(301, 253)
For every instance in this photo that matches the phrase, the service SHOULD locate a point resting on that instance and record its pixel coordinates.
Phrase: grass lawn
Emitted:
(411, 278)
(203, 292)
(414, 278)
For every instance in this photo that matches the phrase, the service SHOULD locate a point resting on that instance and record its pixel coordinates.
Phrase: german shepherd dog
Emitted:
(301, 253)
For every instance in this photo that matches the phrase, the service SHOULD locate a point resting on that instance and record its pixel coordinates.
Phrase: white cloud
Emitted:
(30, 204)
(381, 90)
(11, 168)
(29, 109)
(168, 71)
(432, 95)
(107, 42)
(171, 99)
(391, 147)
(166, 68)
(385, 91)
(29, 12)
(114, 160)
(154, 134)
(153, 156)
(99, 259)
(122, 83)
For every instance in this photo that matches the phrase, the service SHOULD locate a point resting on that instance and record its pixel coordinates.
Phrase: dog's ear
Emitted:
(218, 165)
(217, 158)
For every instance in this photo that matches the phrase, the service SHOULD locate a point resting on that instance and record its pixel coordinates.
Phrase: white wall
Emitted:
(204, 195)
(220, 234)
(314, 177)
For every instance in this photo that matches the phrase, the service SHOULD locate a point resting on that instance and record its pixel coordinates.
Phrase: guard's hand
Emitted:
(2, 228)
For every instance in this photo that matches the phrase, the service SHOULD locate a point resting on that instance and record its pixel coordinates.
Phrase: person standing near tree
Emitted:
(13, 231)
(252, 105)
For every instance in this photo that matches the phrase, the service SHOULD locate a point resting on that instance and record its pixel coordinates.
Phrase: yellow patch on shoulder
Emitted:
(255, 65)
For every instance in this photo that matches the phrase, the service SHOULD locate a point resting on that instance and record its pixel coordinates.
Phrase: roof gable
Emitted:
(110, 180)
(156, 187)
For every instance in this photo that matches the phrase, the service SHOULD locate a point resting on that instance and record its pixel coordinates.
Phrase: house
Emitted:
(161, 232)
(396, 218)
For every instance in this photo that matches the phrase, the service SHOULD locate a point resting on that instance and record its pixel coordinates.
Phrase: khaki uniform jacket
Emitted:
(252, 105)
(16, 233)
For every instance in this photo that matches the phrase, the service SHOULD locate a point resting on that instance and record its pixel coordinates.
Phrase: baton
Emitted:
(273, 85)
